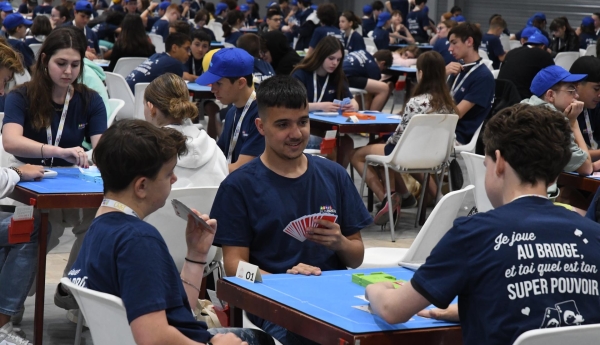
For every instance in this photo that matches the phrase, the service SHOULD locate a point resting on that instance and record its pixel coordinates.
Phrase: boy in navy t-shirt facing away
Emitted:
(126, 257)
(527, 264)
(491, 44)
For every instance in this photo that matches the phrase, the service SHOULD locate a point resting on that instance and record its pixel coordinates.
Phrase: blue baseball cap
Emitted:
(249, 1)
(314, 7)
(383, 18)
(528, 31)
(227, 63)
(459, 19)
(587, 21)
(367, 9)
(6, 7)
(272, 3)
(221, 6)
(294, 3)
(13, 20)
(550, 76)
(85, 6)
(539, 15)
(538, 38)
(244, 8)
(117, 8)
(163, 5)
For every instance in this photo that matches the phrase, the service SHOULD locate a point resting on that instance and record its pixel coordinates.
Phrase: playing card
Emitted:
(182, 212)
(366, 308)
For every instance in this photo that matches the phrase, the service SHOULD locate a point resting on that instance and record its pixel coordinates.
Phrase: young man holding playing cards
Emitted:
(256, 203)
(124, 256)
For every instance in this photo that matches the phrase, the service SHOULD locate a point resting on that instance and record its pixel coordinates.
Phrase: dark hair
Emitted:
(115, 18)
(455, 9)
(145, 5)
(433, 81)
(251, 43)
(385, 56)
(377, 5)
(351, 17)
(326, 47)
(419, 2)
(494, 16)
(133, 35)
(181, 27)
(498, 22)
(466, 30)
(521, 135)
(12, 31)
(277, 44)
(588, 29)
(562, 22)
(177, 39)
(202, 14)
(232, 4)
(38, 90)
(327, 14)
(64, 12)
(273, 12)
(135, 148)
(210, 8)
(249, 79)
(200, 35)
(41, 26)
(281, 91)
(232, 19)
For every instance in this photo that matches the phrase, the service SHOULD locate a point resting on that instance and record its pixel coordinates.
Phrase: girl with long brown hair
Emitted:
(431, 96)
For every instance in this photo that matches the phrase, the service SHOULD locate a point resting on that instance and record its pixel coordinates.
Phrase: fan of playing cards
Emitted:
(299, 227)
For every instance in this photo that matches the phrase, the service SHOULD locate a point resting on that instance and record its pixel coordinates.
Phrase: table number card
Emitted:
(248, 272)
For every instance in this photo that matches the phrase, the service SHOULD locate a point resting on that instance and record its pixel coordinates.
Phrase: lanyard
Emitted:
(348, 38)
(593, 144)
(61, 125)
(236, 133)
(119, 206)
(315, 100)
(193, 66)
(454, 89)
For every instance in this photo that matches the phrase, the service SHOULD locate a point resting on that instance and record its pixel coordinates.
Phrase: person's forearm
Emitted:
(27, 148)
(378, 297)
(189, 77)
(192, 273)
(586, 168)
(594, 154)
(352, 253)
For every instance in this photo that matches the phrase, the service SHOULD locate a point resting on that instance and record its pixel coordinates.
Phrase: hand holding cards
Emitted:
(183, 211)
(299, 228)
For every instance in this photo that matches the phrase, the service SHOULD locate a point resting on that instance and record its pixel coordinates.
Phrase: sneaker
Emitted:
(9, 337)
(409, 202)
(73, 316)
(64, 299)
(17, 318)
(382, 216)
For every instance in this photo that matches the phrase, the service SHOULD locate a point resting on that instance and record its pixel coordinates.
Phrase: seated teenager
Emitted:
(167, 104)
(368, 23)
(472, 83)
(431, 96)
(480, 259)
(60, 15)
(589, 93)
(44, 8)
(363, 71)
(279, 53)
(171, 61)
(381, 35)
(440, 40)
(232, 25)
(231, 81)
(161, 26)
(538, 21)
(252, 44)
(200, 46)
(353, 41)
(294, 185)
(201, 19)
(402, 6)
(490, 43)
(555, 88)
(122, 255)
(132, 41)
(273, 21)
(82, 15)
(16, 28)
(406, 56)
(398, 31)
(587, 35)
(181, 27)
(327, 14)
(149, 18)
(565, 38)
(40, 29)
(418, 22)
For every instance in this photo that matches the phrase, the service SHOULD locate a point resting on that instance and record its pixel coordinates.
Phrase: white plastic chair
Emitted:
(572, 335)
(470, 147)
(361, 93)
(566, 59)
(228, 45)
(483, 54)
(476, 171)
(436, 226)
(125, 65)
(159, 44)
(35, 47)
(105, 315)
(489, 64)
(115, 106)
(505, 41)
(119, 89)
(424, 147)
(590, 50)
(140, 89)
(515, 44)
(370, 44)
(217, 29)
(495, 73)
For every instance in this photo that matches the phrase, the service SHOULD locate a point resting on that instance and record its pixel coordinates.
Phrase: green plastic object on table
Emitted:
(375, 277)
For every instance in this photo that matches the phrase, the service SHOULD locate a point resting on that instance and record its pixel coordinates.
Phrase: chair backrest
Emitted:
(104, 313)
(426, 141)
(115, 106)
(119, 89)
(435, 227)
(572, 335)
(476, 171)
(370, 44)
(566, 59)
(489, 64)
(35, 47)
(125, 65)
(140, 89)
(217, 29)
(515, 44)
(228, 45)
(495, 73)
(470, 146)
(18, 79)
(590, 50)
(505, 41)
(172, 228)
(159, 44)
(483, 54)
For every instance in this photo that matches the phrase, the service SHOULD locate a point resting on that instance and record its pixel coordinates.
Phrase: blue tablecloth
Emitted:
(330, 298)
(67, 181)
(217, 44)
(381, 119)
(198, 88)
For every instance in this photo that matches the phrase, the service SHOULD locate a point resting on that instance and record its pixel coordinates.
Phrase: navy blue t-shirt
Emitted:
(92, 39)
(441, 46)
(26, 52)
(324, 31)
(151, 22)
(368, 25)
(586, 39)
(155, 66)
(245, 194)
(354, 42)
(79, 124)
(161, 27)
(493, 47)
(32, 40)
(400, 5)
(41, 10)
(361, 64)
(262, 70)
(193, 66)
(250, 142)
(417, 21)
(23, 9)
(301, 15)
(594, 116)
(381, 38)
(523, 266)
(105, 31)
(478, 89)
(330, 93)
(234, 37)
(126, 257)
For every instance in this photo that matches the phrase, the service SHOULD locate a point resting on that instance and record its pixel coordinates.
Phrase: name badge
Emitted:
(248, 272)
